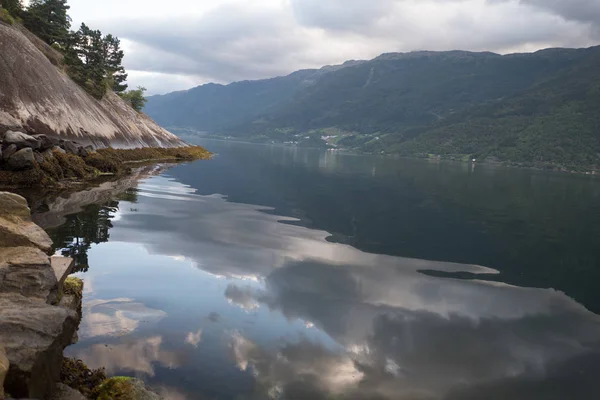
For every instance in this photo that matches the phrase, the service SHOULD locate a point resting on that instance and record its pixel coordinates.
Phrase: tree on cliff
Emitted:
(14, 7)
(48, 19)
(113, 56)
(136, 98)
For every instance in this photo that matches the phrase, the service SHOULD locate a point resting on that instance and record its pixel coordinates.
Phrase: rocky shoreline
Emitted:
(40, 312)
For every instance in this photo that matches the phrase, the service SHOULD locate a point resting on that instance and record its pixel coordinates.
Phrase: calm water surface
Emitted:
(286, 273)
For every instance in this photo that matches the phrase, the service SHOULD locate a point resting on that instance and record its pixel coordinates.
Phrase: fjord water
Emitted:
(281, 272)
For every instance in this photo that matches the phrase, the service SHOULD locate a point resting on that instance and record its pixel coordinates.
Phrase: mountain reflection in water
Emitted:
(208, 298)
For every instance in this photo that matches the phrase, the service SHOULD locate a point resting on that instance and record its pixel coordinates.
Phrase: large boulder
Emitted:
(46, 142)
(21, 160)
(4, 365)
(70, 147)
(34, 335)
(21, 140)
(16, 227)
(27, 271)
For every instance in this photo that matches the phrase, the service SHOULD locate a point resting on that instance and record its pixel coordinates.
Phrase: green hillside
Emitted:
(525, 108)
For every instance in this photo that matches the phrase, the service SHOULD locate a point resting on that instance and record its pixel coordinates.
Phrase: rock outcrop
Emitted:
(37, 97)
(33, 330)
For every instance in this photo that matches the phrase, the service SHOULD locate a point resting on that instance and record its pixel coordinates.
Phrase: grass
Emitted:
(64, 168)
(117, 388)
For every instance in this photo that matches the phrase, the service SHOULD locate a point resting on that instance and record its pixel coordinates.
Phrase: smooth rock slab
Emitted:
(27, 271)
(13, 206)
(25, 233)
(34, 335)
(62, 267)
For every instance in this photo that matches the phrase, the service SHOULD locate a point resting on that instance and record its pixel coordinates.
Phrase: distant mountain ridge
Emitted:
(449, 104)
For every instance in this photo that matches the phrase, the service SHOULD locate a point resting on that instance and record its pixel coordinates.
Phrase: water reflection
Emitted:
(264, 306)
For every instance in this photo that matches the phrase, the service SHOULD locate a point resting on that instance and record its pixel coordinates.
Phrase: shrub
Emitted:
(6, 17)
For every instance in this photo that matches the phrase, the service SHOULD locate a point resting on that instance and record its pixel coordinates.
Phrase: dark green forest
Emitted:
(93, 60)
(534, 109)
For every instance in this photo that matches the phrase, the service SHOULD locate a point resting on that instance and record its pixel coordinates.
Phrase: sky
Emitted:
(180, 44)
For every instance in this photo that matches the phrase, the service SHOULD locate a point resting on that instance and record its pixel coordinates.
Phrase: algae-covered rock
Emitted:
(124, 388)
(77, 375)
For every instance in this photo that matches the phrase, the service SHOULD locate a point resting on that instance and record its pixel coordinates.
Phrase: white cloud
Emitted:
(185, 43)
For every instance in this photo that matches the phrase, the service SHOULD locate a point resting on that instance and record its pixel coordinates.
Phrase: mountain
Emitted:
(453, 104)
(38, 97)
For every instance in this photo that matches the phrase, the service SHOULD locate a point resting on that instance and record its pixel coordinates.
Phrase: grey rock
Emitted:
(83, 152)
(21, 160)
(21, 140)
(34, 335)
(64, 392)
(46, 142)
(59, 149)
(16, 227)
(70, 147)
(9, 151)
(140, 392)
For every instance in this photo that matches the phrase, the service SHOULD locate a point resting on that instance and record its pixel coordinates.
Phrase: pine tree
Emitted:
(114, 58)
(49, 20)
(14, 7)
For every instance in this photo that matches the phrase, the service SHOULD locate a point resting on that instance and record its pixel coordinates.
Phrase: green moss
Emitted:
(117, 388)
(73, 286)
(77, 375)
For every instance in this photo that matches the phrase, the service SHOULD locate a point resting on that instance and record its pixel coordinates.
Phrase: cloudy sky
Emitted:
(184, 43)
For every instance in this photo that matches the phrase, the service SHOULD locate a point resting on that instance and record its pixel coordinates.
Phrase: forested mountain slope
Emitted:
(531, 107)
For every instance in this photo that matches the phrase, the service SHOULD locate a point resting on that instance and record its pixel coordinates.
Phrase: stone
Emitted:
(27, 271)
(58, 149)
(9, 151)
(16, 227)
(34, 335)
(62, 267)
(64, 392)
(4, 365)
(14, 234)
(70, 147)
(21, 160)
(121, 387)
(38, 157)
(46, 142)
(14, 207)
(21, 140)
(83, 152)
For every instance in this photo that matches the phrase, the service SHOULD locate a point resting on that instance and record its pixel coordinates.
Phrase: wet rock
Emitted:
(27, 271)
(9, 151)
(58, 149)
(21, 140)
(70, 147)
(46, 142)
(63, 392)
(34, 341)
(4, 365)
(16, 227)
(21, 160)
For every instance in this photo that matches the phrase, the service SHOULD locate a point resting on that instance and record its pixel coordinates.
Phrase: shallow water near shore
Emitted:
(288, 273)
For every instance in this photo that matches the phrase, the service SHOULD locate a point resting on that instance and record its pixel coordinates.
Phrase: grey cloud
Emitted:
(243, 41)
(579, 10)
